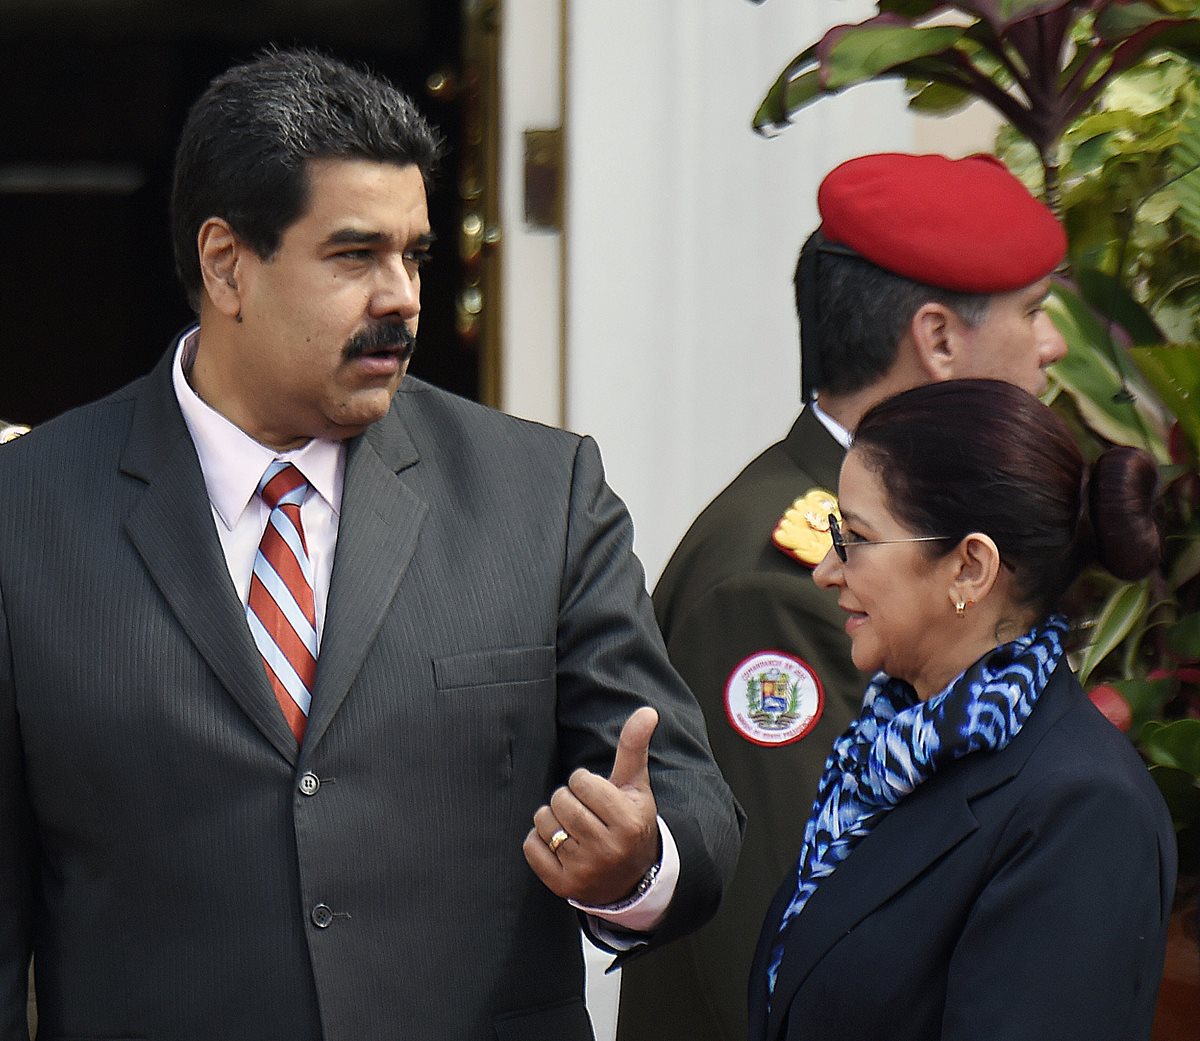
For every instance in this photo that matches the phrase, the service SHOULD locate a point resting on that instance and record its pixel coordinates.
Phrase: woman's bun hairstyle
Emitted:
(1122, 493)
(980, 455)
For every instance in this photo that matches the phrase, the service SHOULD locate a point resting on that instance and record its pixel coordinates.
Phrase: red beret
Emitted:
(962, 224)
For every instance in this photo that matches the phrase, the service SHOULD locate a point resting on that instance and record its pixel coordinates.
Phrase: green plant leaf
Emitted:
(1160, 207)
(1178, 35)
(855, 54)
(1146, 698)
(1091, 155)
(1118, 21)
(1181, 7)
(1120, 614)
(1173, 370)
(1001, 14)
(1140, 92)
(1180, 793)
(852, 54)
(1187, 564)
(1093, 381)
(1108, 296)
(1102, 122)
(910, 8)
(794, 88)
(938, 99)
(1184, 637)
(1185, 158)
(1175, 744)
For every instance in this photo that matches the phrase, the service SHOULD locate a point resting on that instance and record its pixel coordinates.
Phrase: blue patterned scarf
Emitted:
(898, 741)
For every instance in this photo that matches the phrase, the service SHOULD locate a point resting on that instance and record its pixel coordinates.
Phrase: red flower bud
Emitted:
(1112, 704)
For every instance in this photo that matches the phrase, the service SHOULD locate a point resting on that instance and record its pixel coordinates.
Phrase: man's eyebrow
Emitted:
(355, 237)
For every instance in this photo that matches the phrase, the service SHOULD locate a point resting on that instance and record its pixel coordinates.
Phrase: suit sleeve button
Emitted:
(309, 783)
(322, 916)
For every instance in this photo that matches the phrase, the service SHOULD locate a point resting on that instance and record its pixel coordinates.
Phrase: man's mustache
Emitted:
(384, 336)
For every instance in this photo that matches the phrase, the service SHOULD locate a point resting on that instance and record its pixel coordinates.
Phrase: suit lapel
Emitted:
(929, 823)
(757, 995)
(900, 848)
(377, 535)
(172, 529)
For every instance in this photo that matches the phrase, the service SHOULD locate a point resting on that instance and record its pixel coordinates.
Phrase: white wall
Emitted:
(683, 231)
(531, 269)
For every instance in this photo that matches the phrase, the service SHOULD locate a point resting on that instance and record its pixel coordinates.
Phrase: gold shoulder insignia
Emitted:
(803, 530)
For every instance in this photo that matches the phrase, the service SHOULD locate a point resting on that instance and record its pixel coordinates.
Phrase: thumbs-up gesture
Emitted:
(599, 836)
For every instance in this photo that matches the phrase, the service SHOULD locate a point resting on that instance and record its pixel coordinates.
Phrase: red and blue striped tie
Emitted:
(281, 613)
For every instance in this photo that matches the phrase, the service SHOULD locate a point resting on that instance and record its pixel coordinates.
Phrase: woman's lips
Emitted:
(855, 619)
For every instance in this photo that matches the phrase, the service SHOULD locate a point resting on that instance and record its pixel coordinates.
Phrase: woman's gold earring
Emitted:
(960, 608)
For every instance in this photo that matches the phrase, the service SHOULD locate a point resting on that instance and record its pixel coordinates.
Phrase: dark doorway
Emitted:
(92, 95)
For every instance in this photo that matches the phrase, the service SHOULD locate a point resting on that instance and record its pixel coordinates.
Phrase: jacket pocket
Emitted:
(502, 665)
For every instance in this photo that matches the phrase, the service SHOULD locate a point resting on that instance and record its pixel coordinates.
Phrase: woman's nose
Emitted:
(828, 572)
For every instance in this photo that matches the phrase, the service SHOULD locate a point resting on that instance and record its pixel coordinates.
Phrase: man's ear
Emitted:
(976, 570)
(219, 251)
(938, 336)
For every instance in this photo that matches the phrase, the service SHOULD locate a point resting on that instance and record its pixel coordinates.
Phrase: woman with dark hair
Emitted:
(987, 857)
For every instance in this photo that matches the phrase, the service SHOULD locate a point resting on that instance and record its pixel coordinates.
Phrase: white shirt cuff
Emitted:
(645, 913)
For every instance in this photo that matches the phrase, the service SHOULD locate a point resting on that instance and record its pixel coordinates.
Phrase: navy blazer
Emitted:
(182, 870)
(1016, 895)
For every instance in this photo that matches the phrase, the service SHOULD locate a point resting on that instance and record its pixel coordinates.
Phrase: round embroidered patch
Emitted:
(773, 699)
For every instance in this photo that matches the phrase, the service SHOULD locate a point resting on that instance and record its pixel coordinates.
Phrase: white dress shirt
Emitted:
(233, 463)
(838, 432)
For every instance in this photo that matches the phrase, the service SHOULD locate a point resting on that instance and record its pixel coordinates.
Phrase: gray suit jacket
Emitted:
(182, 870)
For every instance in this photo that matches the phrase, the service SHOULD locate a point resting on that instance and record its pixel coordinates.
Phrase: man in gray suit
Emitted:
(292, 647)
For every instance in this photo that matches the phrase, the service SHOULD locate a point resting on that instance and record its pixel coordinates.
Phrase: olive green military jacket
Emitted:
(727, 596)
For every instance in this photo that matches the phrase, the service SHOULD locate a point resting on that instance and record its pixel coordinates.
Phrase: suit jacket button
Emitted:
(309, 783)
(322, 916)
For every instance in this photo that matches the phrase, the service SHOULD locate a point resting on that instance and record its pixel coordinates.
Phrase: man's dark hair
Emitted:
(244, 150)
(862, 313)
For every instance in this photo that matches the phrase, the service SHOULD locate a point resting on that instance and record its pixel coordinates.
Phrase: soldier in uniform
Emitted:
(923, 268)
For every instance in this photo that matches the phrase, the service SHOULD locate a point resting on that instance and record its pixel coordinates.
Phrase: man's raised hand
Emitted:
(598, 836)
